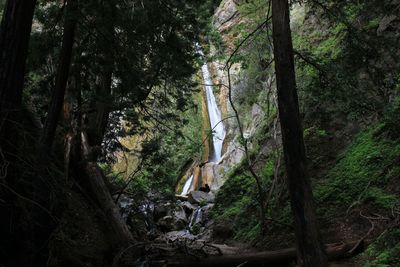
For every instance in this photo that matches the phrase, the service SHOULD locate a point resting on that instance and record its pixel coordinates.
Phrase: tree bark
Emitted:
(120, 234)
(15, 33)
(62, 75)
(103, 102)
(14, 42)
(308, 243)
(281, 257)
(102, 106)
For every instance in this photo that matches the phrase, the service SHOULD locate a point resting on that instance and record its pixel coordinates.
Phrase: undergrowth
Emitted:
(384, 252)
(362, 173)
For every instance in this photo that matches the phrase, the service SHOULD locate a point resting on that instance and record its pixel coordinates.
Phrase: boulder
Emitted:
(174, 222)
(180, 215)
(176, 235)
(166, 224)
(162, 210)
(198, 197)
(226, 15)
(188, 207)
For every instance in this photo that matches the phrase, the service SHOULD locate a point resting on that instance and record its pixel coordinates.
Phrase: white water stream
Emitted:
(217, 126)
(214, 113)
(187, 185)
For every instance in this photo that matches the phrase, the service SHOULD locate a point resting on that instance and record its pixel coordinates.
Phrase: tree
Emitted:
(310, 251)
(14, 41)
(62, 75)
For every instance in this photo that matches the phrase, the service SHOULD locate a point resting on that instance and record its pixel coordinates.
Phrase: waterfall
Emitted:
(187, 185)
(217, 126)
(197, 216)
(214, 113)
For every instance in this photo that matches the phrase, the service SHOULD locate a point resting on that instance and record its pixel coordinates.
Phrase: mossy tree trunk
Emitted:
(310, 251)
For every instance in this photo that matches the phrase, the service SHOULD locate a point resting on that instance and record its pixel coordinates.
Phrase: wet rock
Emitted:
(198, 197)
(176, 235)
(176, 221)
(125, 204)
(196, 219)
(166, 224)
(180, 215)
(188, 207)
(208, 207)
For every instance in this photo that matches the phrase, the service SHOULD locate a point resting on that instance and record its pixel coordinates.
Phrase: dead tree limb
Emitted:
(267, 258)
(120, 234)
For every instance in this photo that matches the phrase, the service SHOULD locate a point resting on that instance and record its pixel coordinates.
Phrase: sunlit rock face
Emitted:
(198, 197)
(226, 14)
(225, 150)
(213, 175)
(225, 17)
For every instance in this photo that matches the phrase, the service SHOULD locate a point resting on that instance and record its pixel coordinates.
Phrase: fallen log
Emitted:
(265, 258)
(120, 233)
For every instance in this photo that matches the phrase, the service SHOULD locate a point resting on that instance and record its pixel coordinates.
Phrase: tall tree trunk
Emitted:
(310, 251)
(102, 104)
(14, 41)
(62, 75)
(15, 32)
(120, 235)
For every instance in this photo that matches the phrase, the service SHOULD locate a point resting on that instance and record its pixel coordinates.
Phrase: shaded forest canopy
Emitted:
(107, 135)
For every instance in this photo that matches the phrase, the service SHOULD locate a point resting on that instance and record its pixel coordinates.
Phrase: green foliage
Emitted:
(336, 52)
(214, 36)
(268, 170)
(170, 146)
(362, 173)
(392, 126)
(384, 252)
(195, 229)
(314, 132)
(237, 203)
(250, 233)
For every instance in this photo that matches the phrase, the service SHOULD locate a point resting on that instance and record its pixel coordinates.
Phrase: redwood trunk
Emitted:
(308, 243)
(57, 99)
(14, 41)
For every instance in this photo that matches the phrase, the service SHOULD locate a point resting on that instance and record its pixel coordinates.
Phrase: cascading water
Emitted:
(217, 126)
(197, 216)
(187, 185)
(215, 116)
